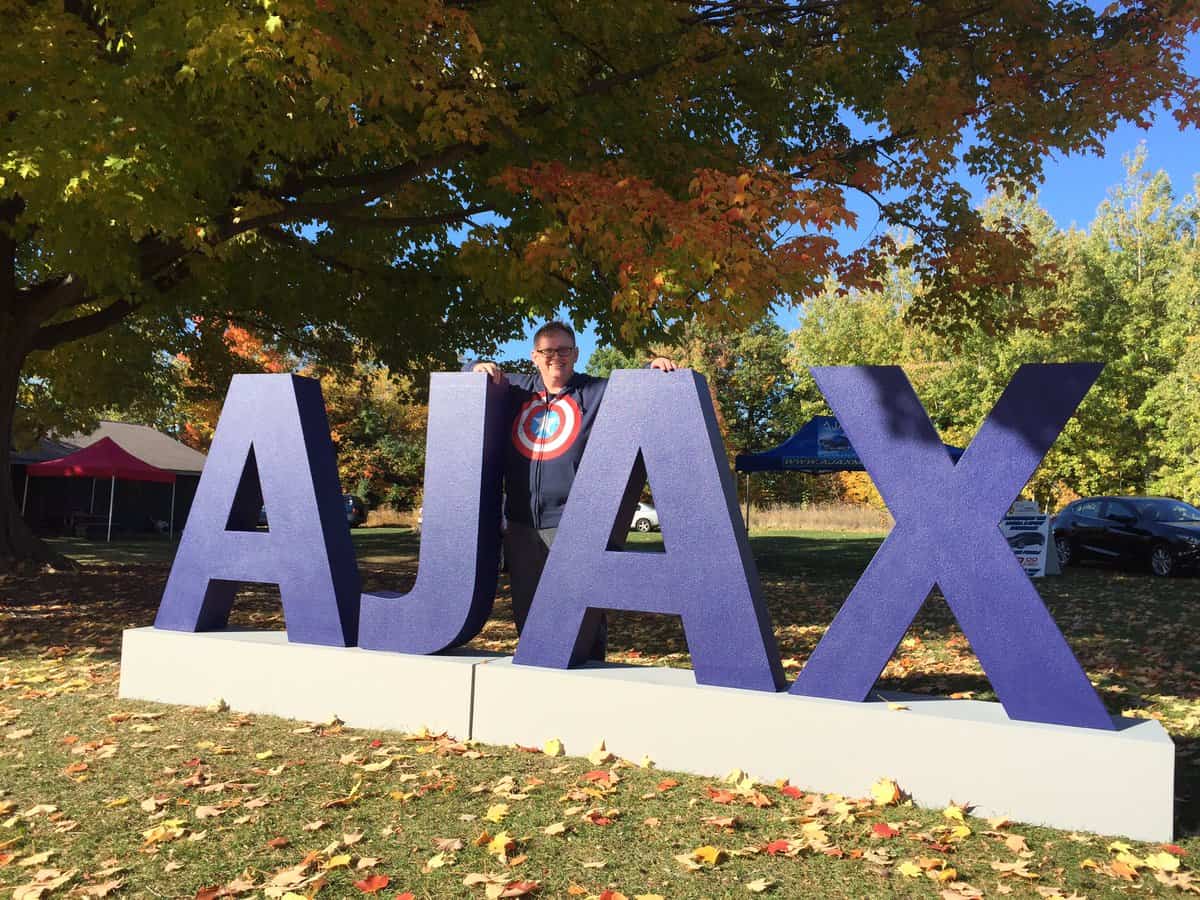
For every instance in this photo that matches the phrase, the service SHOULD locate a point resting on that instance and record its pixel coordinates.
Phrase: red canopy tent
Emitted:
(103, 459)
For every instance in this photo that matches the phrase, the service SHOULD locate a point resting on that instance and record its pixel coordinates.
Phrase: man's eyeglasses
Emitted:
(551, 352)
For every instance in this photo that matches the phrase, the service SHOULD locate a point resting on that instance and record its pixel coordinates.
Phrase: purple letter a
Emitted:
(664, 425)
(946, 533)
(272, 433)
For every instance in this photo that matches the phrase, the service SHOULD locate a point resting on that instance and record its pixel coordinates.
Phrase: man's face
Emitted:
(555, 355)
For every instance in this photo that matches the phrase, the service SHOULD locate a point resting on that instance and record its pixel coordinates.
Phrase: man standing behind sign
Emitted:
(552, 414)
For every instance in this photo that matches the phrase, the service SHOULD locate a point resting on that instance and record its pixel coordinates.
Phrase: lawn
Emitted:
(108, 797)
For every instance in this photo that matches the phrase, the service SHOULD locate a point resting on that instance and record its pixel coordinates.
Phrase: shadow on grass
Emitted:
(1136, 635)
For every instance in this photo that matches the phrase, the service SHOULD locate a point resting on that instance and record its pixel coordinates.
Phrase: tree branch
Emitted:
(379, 181)
(337, 212)
(50, 336)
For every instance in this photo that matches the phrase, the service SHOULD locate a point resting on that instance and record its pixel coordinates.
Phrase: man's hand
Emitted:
(492, 371)
(663, 364)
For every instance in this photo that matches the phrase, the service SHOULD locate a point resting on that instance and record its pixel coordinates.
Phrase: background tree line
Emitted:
(1125, 291)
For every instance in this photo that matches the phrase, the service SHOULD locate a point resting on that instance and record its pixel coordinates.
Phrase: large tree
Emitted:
(425, 175)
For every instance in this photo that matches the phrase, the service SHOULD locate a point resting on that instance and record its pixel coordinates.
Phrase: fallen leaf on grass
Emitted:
(44, 882)
(103, 889)
(373, 883)
(1016, 843)
(500, 845)
(883, 830)
(726, 822)
(600, 756)
(954, 812)
(601, 776)
(554, 747)
(168, 830)
(555, 829)
(496, 813)
(18, 734)
(447, 845)
(511, 889)
(349, 799)
(885, 792)
(289, 877)
(909, 869)
(434, 862)
(702, 857)
(758, 885)
(784, 847)
(36, 859)
(1020, 869)
(1183, 881)
(1162, 862)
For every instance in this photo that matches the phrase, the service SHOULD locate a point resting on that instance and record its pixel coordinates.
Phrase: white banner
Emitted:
(1029, 537)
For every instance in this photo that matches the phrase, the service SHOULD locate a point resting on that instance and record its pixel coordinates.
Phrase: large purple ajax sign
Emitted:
(272, 447)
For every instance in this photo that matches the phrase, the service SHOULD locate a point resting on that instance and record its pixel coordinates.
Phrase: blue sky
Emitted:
(1073, 189)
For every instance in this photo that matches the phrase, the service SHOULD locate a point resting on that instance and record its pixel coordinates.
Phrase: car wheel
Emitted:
(643, 525)
(1162, 561)
(1065, 550)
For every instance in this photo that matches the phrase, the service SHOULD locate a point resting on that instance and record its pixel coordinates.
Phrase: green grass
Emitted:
(1135, 635)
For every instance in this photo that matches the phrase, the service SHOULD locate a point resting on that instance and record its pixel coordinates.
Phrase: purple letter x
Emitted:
(946, 533)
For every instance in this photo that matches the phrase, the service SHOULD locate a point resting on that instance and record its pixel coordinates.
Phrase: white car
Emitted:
(645, 518)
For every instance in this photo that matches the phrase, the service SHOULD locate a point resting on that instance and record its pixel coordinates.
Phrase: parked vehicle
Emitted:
(645, 518)
(1158, 532)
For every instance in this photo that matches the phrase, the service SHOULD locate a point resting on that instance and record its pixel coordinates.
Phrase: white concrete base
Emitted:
(259, 671)
(937, 750)
(1119, 782)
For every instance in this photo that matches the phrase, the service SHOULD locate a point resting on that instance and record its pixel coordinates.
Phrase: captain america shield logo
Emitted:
(544, 431)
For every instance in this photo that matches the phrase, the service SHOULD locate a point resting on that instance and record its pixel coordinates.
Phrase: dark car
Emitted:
(1158, 532)
(1023, 539)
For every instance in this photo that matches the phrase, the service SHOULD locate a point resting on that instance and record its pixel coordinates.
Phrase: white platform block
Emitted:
(1119, 782)
(260, 672)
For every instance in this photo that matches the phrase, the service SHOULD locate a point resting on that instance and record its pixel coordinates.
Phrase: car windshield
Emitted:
(1172, 511)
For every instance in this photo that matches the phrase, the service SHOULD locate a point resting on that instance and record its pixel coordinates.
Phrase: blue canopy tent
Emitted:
(819, 447)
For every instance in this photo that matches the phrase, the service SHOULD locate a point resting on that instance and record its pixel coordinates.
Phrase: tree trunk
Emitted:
(20, 319)
(18, 545)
